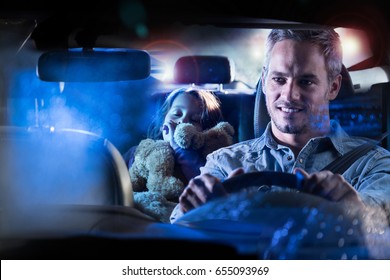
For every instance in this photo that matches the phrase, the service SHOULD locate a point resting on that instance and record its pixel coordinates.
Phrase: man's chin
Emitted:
(289, 128)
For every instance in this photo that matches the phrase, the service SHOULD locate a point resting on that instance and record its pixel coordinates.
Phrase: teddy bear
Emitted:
(155, 189)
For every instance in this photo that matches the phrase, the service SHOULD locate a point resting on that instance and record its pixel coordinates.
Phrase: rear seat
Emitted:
(238, 110)
(218, 72)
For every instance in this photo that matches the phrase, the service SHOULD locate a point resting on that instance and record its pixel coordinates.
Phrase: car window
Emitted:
(106, 108)
(69, 142)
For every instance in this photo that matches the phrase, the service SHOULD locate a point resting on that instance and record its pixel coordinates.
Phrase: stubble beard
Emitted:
(289, 128)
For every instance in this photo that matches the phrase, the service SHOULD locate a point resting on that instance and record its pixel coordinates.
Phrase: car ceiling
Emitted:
(56, 20)
(341, 12)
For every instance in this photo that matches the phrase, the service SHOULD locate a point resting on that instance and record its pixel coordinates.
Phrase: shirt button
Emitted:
(300, 160)
(289, 157)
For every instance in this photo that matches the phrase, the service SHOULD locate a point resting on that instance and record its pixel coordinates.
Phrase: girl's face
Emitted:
(185, 109)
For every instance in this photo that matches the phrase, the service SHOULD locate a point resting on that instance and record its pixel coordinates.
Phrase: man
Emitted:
(300, 77)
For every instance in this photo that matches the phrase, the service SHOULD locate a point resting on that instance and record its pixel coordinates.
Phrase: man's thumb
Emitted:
(237, 171)
(300, 172)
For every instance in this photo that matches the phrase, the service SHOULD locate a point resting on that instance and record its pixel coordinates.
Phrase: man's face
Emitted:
(297, 88)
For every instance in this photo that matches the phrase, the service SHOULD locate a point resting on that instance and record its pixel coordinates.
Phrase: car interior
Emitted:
(79, 88)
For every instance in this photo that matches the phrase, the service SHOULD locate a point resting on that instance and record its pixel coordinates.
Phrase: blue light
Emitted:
(119, 111)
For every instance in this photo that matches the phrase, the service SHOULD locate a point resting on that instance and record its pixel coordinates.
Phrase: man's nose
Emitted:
(290, 91)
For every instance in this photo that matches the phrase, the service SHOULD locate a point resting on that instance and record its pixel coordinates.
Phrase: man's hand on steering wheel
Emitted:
(325, 184)
(203, 188)
(328, 185)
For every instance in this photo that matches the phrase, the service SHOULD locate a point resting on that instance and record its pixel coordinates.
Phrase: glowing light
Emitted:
(166, 71)
(256, 41)
(61, 86)
(351, 45)
(166, 52)
(355, 46)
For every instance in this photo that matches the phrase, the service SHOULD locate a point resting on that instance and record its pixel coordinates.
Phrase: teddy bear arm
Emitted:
(138, 182)
(170, 187)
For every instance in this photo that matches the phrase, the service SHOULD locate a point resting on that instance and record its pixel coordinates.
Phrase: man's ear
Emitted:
(335, 87)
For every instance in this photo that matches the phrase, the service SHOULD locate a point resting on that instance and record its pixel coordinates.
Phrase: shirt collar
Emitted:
(337, 136)
(269, 140)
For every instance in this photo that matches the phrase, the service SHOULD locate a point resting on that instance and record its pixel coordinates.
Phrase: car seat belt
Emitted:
(343, 162)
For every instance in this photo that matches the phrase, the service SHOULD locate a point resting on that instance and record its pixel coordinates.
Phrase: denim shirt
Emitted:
(369, 175)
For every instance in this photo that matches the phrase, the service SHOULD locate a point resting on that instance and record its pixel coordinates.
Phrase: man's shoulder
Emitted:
(353, 142)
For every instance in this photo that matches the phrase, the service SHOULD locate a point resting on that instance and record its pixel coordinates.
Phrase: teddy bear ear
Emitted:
(227, 127)
(221, 135)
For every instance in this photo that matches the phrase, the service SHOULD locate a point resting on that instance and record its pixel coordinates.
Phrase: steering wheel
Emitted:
(260, 217)
(282, 179)
(288, 196)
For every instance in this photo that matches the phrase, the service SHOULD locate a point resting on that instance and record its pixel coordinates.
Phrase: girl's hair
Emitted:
(326, 39)
(211, 110)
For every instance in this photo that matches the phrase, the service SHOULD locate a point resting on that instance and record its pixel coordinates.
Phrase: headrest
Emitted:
(346, 88)
(60, 166)
(203, 69)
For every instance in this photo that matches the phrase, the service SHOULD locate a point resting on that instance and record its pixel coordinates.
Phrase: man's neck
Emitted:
(297, 141)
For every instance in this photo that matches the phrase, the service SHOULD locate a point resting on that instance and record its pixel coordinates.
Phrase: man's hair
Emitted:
(211, 110)
(326, 39)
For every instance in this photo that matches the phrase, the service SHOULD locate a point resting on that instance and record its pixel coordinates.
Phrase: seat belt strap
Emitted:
(343, 162)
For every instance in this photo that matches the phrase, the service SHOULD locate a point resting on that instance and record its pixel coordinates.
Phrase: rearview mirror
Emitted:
(97, 65)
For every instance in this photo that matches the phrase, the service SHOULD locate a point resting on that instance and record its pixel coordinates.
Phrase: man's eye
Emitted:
(279, 80)
(306, 82)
